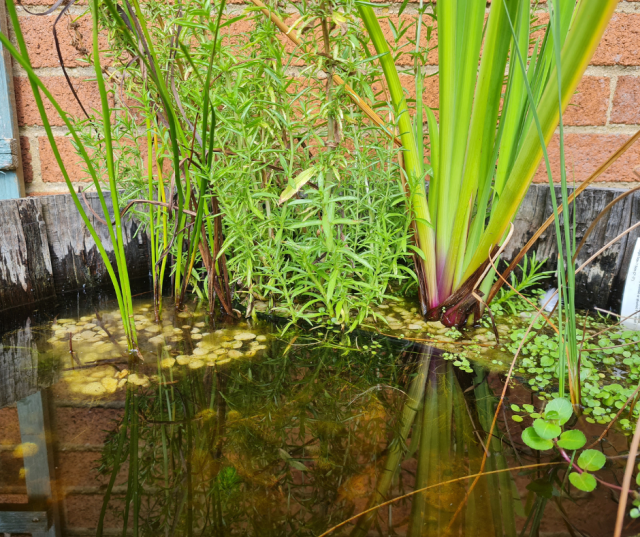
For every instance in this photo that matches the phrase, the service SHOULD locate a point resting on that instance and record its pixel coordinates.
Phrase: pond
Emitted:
(239, 429)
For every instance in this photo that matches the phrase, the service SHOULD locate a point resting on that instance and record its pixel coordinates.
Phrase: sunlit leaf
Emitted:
(298, 182)
(531, 438)
(584, 481)
(591, 459)
(562, 407)
(572, 440)
(546, 430)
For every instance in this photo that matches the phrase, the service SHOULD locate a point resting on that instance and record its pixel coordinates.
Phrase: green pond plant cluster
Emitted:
(280, 164)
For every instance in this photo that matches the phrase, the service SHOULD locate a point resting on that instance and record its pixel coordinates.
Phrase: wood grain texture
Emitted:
(632, 208)
(18, 366)
(596, 285)
(26, 273)
(75, 257)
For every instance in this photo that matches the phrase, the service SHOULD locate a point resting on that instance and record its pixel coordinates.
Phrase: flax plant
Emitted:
(490, 136)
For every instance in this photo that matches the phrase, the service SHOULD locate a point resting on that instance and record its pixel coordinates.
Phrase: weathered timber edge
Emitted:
(601, 283)
(45, 248)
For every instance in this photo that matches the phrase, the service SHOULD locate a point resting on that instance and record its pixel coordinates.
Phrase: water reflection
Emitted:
(291, 442)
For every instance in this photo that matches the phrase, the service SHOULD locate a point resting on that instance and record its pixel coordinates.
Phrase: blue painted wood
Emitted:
(33, 418)
(8, 154)
(11, 184)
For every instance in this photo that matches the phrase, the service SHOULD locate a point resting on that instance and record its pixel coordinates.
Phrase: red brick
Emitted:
(9, 428)
(620, 44)
(49, 166)
(11, 466)
(85, 426)
(584, 153)
(83, 511)
(80, 469)
(590, 102)
(238, 32)
(430, 94)
(626, 101)
(28, 111)
(27, 167)
(75, 42)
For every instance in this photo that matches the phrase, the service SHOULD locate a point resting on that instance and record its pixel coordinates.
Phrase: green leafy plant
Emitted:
(471, 202)
(547, 433)
(532, 275)
(118, 274)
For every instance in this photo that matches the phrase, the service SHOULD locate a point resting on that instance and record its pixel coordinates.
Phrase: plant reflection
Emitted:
(304, 439)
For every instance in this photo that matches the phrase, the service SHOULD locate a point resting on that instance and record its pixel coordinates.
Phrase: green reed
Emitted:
(120, 280)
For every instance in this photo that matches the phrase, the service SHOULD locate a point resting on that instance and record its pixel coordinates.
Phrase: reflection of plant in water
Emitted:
(444, 440)
(289, 442)
(296, 442)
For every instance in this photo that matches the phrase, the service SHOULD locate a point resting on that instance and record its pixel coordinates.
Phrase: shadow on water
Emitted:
(294, 440)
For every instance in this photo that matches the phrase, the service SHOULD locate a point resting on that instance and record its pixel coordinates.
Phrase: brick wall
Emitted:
(604, 112)
(78, 434)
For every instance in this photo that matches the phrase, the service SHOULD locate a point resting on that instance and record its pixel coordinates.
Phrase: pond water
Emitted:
(237, 429)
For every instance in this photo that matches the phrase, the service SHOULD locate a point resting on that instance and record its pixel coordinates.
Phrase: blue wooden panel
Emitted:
(10, 180)
(8, 154)
(9, 185)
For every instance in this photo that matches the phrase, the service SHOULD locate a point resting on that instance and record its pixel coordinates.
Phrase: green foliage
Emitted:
(532, 276)
(470, 205)
(534, 441)
(572, 440)
(314, 220)
(545, 429)
(583, 481)
(591, 460)
(606, 353)
(559, 410)
(546, 433)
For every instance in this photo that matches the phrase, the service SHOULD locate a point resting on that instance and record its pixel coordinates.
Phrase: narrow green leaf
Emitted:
(298, 465)
(298, 182)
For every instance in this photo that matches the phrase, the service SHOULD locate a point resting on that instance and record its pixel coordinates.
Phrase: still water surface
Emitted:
(236, 429)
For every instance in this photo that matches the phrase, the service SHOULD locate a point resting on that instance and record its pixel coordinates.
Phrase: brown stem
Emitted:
(626, 481)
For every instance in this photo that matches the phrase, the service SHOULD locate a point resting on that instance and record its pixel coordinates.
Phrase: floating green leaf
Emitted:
(572, 440)
(533, 440)
(562, 407)
(546, 430)
(591, 459)
(584, 481)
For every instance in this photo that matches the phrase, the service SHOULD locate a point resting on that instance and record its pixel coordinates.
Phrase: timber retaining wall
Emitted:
(46, 250)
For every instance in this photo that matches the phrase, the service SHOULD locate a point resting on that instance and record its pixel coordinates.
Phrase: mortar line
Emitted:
(613, 83)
